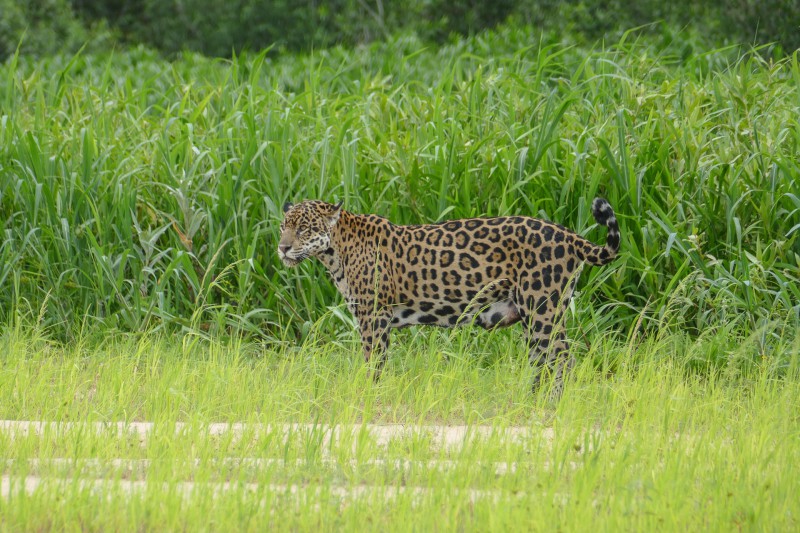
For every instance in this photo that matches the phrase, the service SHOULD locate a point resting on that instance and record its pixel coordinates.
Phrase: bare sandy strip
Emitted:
(440, 437)
(11, 487)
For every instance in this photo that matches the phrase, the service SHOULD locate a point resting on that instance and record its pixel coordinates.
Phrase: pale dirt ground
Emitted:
(445, 437)
(87, 473)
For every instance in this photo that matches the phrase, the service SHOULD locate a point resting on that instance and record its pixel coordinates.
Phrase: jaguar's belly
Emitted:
(489, 315)
(488, 307)
(498, 315)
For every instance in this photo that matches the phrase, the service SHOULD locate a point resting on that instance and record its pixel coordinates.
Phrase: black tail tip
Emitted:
(602, 211)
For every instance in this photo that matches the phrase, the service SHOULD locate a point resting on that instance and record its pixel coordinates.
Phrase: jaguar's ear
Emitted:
(333, 218)
(287, 206)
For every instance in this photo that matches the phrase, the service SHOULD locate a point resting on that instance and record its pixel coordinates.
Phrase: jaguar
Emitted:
(490, 272)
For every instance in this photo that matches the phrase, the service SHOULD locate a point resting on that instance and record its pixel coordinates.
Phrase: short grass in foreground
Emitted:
(638, 441)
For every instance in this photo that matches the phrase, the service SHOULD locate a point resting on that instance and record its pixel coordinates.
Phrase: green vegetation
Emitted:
(650, 447)
(140, 202)
(140, 195)
(218, 28)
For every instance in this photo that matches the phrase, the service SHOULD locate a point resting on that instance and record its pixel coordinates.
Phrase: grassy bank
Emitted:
(638, 441)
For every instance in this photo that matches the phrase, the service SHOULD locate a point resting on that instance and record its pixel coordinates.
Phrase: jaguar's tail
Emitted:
(604, 215)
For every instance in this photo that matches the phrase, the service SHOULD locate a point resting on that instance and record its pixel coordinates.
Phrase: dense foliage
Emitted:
(218, 28)
(142, 194)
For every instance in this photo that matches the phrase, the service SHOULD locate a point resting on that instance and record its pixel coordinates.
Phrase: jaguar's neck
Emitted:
(352, 230)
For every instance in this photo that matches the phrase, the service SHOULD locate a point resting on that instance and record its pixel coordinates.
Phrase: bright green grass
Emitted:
(641, 442)
(138, 194)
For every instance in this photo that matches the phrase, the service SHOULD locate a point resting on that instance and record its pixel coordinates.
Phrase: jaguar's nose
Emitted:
(283, 248)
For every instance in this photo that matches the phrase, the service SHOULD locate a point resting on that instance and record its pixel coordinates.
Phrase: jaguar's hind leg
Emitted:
(550, 355)
(548, 349)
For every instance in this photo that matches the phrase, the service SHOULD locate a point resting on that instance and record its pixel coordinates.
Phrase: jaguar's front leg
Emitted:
(374, 325)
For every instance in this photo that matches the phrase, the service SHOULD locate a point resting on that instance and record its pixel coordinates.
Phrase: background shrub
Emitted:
(219, 28)
(47, 26)
(763, 21)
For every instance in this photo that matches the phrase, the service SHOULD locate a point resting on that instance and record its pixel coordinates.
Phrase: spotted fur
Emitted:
(493, 272)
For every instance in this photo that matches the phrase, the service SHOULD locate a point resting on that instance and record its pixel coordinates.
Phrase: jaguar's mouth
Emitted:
(290, 261)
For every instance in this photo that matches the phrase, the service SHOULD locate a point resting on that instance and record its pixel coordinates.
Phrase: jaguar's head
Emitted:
(306, 230)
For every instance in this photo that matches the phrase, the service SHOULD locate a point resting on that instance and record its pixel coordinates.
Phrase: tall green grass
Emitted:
(138, 194)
